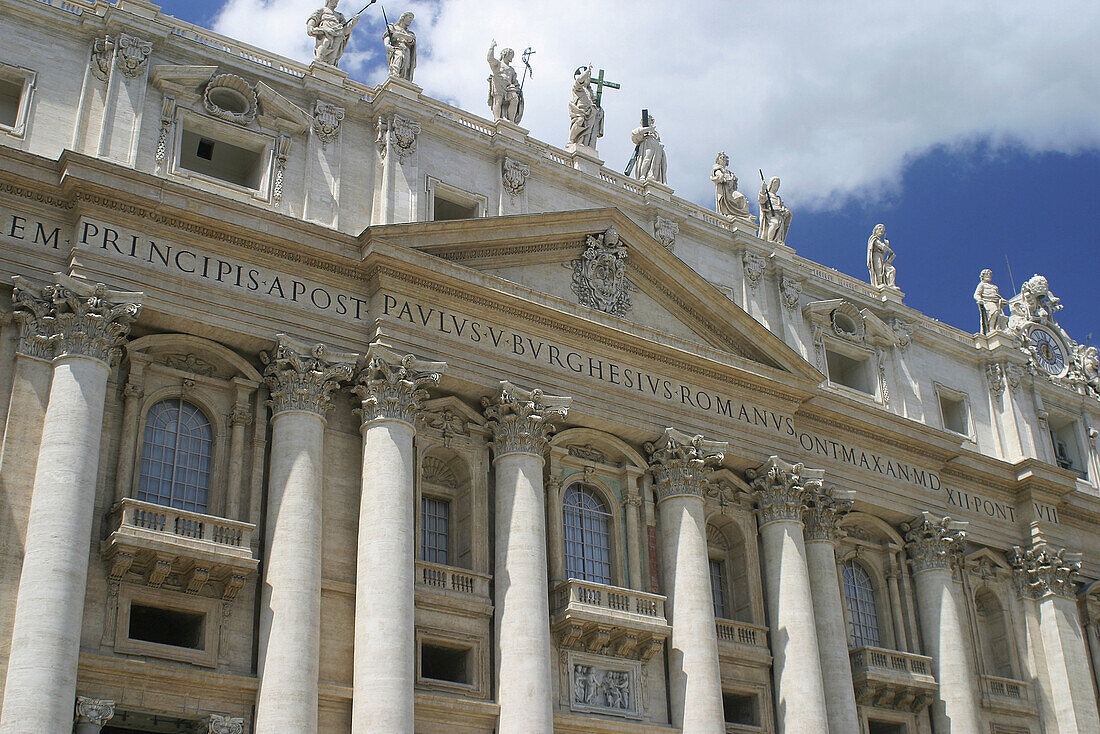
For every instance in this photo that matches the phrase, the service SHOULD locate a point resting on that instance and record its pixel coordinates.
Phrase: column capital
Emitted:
(780, 488)
(823, 509)
(303, 376)
(73, 317)
(932, 542)
(220, 724)
(391, 385)
(678, 462)
(96, 711)
(1041, 570)
(521, 419)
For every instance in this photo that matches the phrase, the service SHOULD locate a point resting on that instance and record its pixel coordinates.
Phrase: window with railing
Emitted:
(175, 456)
(859, 597)
(587, 524)
(435, 530)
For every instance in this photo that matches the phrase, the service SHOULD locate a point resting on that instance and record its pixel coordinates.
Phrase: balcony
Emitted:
(742, 641)
(450, 588)
(891, 679)
(599, 618)
(1006, 695)
(186, 551)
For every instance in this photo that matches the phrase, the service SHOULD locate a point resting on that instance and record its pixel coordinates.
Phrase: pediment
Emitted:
(656, 290)
(188, 82)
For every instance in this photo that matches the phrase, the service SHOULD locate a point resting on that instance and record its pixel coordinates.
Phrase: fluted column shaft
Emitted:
(823, 511)
(390, 389)
(81, 326)
(520, 423)
(302, 379)
(678, 463)
(931, 543)
(796, 659)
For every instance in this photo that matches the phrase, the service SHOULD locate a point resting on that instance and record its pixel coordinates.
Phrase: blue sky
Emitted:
(971, 130)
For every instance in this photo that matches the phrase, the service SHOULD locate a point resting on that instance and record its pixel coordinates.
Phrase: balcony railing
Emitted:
(600, 618)
(449, 578)
(892, 679)
(1006, 694)
(158, 522)
(585, 594)
(741, 633)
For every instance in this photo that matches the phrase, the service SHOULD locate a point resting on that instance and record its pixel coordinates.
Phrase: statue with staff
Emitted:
(505, 86)
(400, 44)
(775, 218)
(648, 162)
(332, 31)
(585, 109)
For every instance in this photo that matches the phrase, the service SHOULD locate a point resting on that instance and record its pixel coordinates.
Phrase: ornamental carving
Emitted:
(447, 422)
(190, 363)
(933, 543)
(824, 509)
(754, 267)
(229, 97)
(219, 724)
(167, 111)
(435, 471)
(513, 176)
(588, 453)
(680, 462)
(73, 317)
(780, 489)
(599, 274)
(789, 292)
(1040, 571)
(665, 230)
(282, 153)
(303, 377)
(995, 375)
(521, 419)
(132, 54)
(903, 333)
(398, 133)
(603, 689)
(103, 50)
(326, 121)
(96, 711)
(392, 386)
(847, 322)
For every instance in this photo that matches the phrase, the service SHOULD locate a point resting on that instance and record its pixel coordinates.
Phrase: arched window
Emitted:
(994, 634)
(859, 595)
(175, 456)
(587, 523)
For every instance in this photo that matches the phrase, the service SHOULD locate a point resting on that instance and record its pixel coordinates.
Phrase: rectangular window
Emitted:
(719, 590)
(955, 414)
(225, 161)
(446, 210)
(11, 94)
(885, 727)
(167, 627)
(1067, 447)
(435, 530)
(16, 90)
(739, 708)
(445, 663)
(849, 372)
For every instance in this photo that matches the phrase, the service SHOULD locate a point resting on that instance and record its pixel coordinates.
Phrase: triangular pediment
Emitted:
(545, 253)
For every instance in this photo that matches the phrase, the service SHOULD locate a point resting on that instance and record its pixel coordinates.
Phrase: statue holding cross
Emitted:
(585, 112)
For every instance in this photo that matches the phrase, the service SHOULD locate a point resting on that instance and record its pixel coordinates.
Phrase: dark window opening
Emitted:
(10, 95)
(444, 663)
(167, 627)
(221, 160)
(447, 210)
(740, 709)
(205, 149)
(884, 727)
(853, 373)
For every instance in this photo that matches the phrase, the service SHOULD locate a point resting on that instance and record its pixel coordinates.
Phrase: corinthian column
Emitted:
(302, 379)
(1048, 579)
(520, 421)
(390, 388)
(81, 327)
(930, 544)
(825, 506)
(678, 462)
(92, 714)
(780, 490)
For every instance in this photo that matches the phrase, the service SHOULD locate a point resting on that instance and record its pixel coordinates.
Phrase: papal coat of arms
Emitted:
(599, 274)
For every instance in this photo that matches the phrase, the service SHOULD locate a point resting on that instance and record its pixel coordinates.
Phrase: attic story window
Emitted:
(216, 157)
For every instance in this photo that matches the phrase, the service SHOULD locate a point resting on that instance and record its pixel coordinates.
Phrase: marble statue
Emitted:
(880, 259)
(401, 47)
(585, 116)
(990, 303)
(332, 32)
(775, 218)
(1037, 303)
(728, 201)
(650, 152)
(505, 93)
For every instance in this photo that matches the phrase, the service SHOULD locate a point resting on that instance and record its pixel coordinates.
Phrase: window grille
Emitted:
(435, 530)
(859, 596)
(587, 524)
(175, 456)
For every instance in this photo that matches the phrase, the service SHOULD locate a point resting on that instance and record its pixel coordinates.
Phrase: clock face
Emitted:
(1047, 349)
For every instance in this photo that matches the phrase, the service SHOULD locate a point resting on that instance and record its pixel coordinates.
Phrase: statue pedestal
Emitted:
(890, 294)
(584, 158)
(401, 87)
(654, 190)
(510, 130)
(142, 8)
(328, 73)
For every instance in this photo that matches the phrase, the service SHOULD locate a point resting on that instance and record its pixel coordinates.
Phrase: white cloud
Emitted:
(832, 96)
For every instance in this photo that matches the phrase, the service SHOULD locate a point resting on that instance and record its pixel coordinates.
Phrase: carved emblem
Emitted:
(132, 54)
(102, 51)
(995, 374)
(230, 98)
(665, 230)
(96, 711)
(219, 724)
(399, 133)
(326, 121)
(447, 422)
(588, 452)
(513, 176)
(903, 332)
(190, 363)
(754, 268)
(789, 291)
(847, 322)
(599, 274)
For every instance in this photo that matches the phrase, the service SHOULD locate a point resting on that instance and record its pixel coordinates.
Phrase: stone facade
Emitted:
(528, 473)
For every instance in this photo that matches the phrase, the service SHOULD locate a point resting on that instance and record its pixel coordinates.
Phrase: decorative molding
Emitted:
(398, 133)
(679, 463)
(1042, 571)
(190, 363)
(780, 489)
(588, 453)
(436, 471)
(790, 290)
(240, 415)
(447, 422)
(391, 386)
(326, 122)
(903, 333)
(226, 87)
(96, 711)
(995, 375)
(303, 377)
(167, 115)
(132, 53)
(823, 510)
(665, 231)
(599, 274)
(521, 419)
(513, 176)
(933, 543)
(754, 267)
(73, 317)
(220, 724)
(103, 50)
(605, 685)
(282, 152)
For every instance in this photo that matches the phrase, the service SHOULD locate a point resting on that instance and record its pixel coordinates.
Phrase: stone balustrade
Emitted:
(1006, 695)
(432, 576)
(616, 600)
(892, 679)
(601, 618)
(741, 633)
